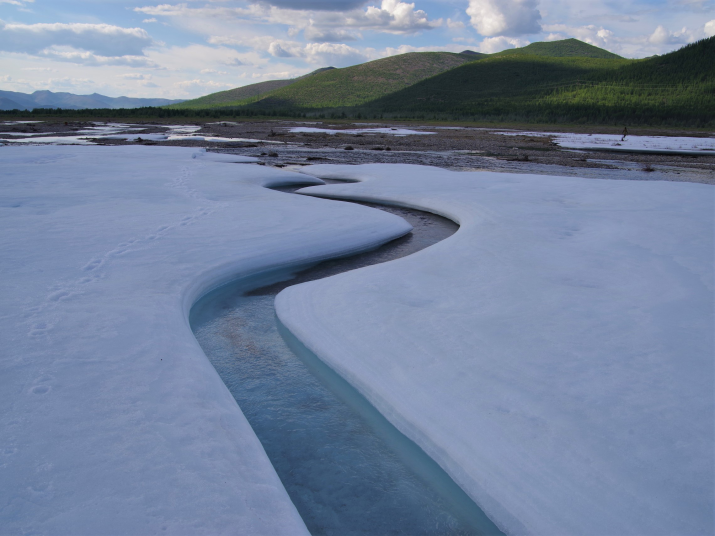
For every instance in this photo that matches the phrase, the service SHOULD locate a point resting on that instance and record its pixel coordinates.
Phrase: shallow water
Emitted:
(347, 470)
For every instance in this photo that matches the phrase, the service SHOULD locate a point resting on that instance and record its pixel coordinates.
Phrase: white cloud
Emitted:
(393, 16)
(16, 2)
(326, 5)
(102, 39)
(150, 20)
(322, 35)
(710, 28)
(662, 36)
(490, 45)
(68, 54)
(505, 17)
(335, 54)
(212, 71)
(136, 76)
(280, 51)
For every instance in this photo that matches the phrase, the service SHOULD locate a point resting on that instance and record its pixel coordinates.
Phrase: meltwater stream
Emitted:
(346, 468)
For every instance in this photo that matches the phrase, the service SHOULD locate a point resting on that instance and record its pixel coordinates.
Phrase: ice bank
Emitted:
(555, 355)
(112, 419)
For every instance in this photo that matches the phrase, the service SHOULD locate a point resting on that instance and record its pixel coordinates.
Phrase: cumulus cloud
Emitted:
(490, 45)
(324, 5)
(102, 39)
(505, 17)
(710, 28)
(333, 54)
(280, 51)
(662, 36)
(336, 54)
(392, 16)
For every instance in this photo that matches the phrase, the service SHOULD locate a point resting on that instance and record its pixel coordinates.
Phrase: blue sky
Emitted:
(189, 48)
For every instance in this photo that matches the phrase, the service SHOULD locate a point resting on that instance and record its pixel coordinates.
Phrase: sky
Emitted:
(189, 48)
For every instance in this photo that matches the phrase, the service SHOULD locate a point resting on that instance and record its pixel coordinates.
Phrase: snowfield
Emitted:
(555, 355)
(632, 144)
(112, 419)
(380, 130)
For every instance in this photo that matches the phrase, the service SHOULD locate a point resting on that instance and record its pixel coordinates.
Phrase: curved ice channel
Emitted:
(346, 468)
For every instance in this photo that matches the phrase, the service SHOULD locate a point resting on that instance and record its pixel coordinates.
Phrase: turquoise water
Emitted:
(346, 468)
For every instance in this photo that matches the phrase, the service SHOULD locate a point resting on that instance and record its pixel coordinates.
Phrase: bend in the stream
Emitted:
(345, 467)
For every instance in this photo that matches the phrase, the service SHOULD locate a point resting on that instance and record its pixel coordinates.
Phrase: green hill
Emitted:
(359, 84)
(565, 48)
(555, 82)
(242, 94)
(494, 79)
(474, 55)
(677, 88)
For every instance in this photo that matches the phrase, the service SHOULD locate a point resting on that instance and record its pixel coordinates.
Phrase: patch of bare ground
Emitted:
(453, 147)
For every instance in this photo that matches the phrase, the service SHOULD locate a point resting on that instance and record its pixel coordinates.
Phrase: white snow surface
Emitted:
(112, 419)
(383, 130)
(615, 143)
(555, 355)
(120, 131)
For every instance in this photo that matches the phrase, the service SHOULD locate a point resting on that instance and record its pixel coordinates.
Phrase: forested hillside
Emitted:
(243, 94)
(363, 83)
(677, 88)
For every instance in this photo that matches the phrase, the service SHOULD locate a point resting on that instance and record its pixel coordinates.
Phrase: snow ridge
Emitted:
(555, 355)
(113, 420)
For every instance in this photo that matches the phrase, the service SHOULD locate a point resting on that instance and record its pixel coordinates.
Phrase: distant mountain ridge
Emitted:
(14, 100)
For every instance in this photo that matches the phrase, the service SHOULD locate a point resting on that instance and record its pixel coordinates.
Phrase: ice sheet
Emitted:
(113, 421)
(388, 130)
(640, 144)
(555, 355)
(117, 131)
